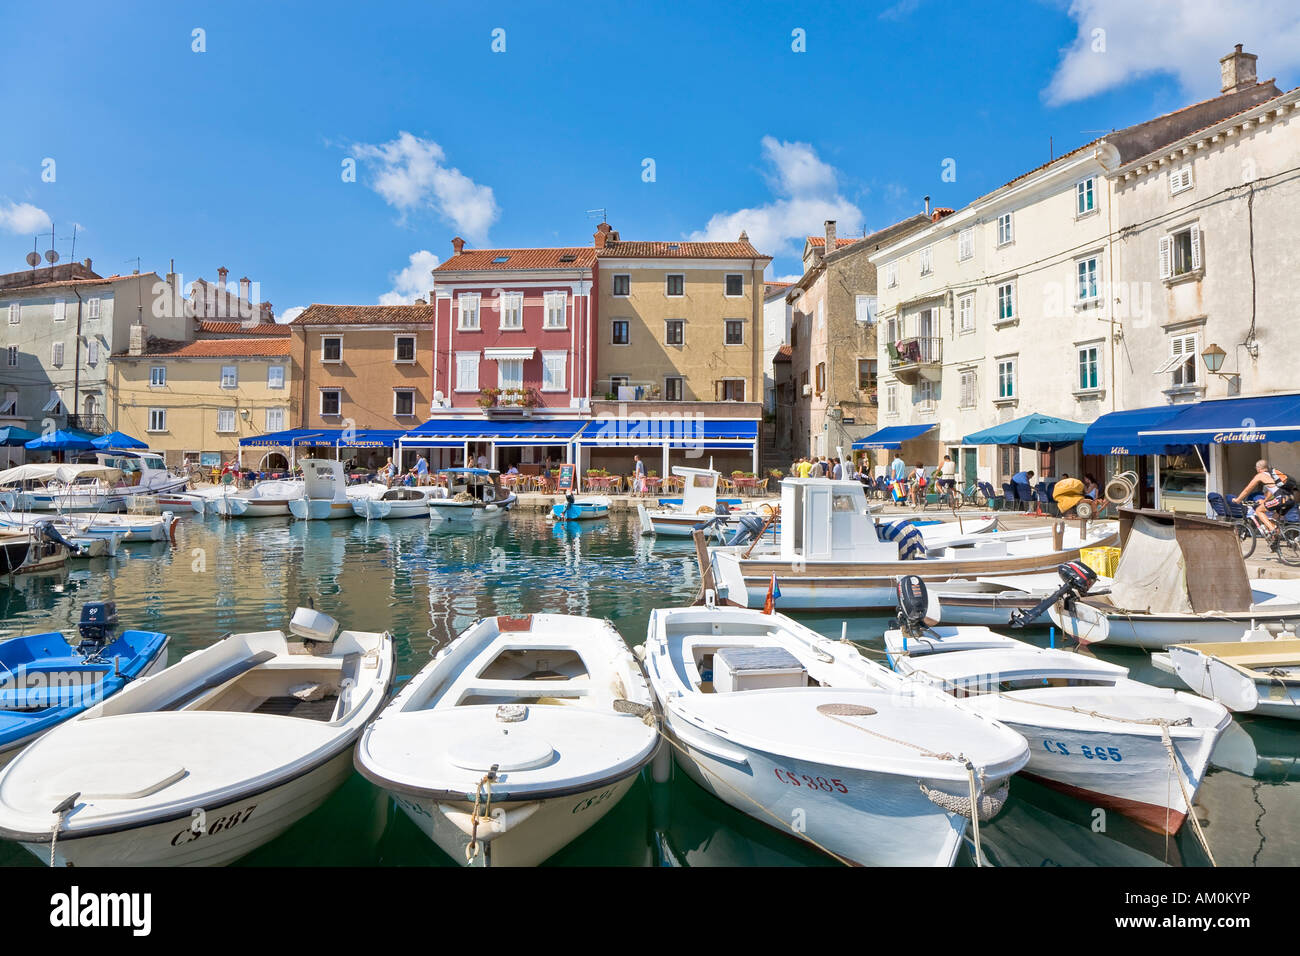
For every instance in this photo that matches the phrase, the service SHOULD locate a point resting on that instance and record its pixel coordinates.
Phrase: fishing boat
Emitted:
(1256, 675)
(832, 555)
(1181, 579)
(518, 736)
(46, 680)
(991, 601)
(1093, 732)
(805, 734)
(325, 492)
(199, 499)
(400, 502)
(699, 503)
(64, 488)
(472, 494)
(581, 509)
(31, 549)
(206, 760)
(265, 499)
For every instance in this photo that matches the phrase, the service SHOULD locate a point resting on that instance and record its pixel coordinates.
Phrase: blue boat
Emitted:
(44, 680)
(580, 509)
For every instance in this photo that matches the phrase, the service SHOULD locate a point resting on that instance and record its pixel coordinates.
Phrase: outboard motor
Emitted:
(721, 508)
(98, 622)
(751, 526)
(47, 531)
(913, 605)
(1076, 579)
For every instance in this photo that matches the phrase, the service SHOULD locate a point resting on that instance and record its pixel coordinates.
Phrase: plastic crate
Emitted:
(1102, 560)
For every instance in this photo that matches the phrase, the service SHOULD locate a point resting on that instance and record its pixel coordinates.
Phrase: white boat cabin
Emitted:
(323, 479)
(700, 491)
(824, 519)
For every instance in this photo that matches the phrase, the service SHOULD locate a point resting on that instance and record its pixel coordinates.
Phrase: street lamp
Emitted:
(1213, 357)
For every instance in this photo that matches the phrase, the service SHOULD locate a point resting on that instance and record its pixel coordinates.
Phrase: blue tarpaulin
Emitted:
(1030, 431)
(892, 437)
(1263, 418)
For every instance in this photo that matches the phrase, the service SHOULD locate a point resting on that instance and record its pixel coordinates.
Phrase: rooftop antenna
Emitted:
(600, 215)
(51, 254)
(136, 260)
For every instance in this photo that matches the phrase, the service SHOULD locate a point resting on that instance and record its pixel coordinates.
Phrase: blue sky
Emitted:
(235, 155)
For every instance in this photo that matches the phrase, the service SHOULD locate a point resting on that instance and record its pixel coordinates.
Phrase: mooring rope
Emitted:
(1187, 801)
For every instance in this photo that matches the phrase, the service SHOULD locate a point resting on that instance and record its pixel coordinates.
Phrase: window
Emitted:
(925, 394)
(331, 348)
(56, 353)
(675, 285)
(275, 419)
(1006, 378)
(864, 309)
(157, 419)
(1084, 202)
(500, 259)
(403, 402)
(966, 244)
(1004, 229)
(673, 390)
(925, 261)
(510, 373)
(966, 313)
(329, 401)
(225, 419)
(1180, 179)
(735, 285)
(158, 376)
(55, 404)
(92, 308)
(674, 331)
(467, 371)
(968, 388)
(1006, 302)
(275, 376)
(1086, 270)
(60, 310)
(11, 354)
(1184, 359)
(1180, 253)
(618, 381)
(820, 378)
(619, 332)
(867, 374)
(469, 303)
(555, 307)
(15, 313)
(735, 331)
(554, 371)
(891, 275)
(622, 285)
(1089, 368)
(92, 352)
(733, 389)
(10, 404)
(891, 400)
(229, 376)
(404, 349)
(512, 310)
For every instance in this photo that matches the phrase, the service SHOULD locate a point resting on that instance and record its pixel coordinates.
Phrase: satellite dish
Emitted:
(33, 259)
(51, 256)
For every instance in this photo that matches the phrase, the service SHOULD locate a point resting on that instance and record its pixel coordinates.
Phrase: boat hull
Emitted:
(319, 509)
(1156, 632)
(378, 508)
(443, 510)
(235, 507)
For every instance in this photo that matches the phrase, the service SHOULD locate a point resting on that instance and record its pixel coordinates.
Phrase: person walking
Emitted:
(837, 471)
(421, 471)
(638, 475)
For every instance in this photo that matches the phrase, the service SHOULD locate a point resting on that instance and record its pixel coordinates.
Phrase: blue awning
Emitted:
(892, 437)
(1030, 431)
(1264, 418)
(671, 431)
(1117, 433)
(454, 432)
(275, 439)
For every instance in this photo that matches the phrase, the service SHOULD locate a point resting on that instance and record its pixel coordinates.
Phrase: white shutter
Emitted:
(56, 353)
(92, 352)
(60, 310)
(1166, 256)
(1196, 247)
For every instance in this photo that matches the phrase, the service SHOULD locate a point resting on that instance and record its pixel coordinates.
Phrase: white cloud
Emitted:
(22, 218)
(412, 282)
(1120, 40)
(411, 174)
(288, 315)
(807, 194)
(792, 277)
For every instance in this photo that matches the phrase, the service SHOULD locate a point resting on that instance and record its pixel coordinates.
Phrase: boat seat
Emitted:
(322, 709)
(217, 679)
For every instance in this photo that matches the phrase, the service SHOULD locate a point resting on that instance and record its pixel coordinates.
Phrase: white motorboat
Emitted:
(399, 502)
(588, 508)
(324, 493)
(472, 494)
(205, 761)
(1093, 733)
(265, 499)
(1251, 675)
(30, 550)
(1181, 579)
(516, 738)
(831, 554)
(990, 601)
(84, 527)
(805, 734)
(144, 471)
(64, 488)
(699, 504)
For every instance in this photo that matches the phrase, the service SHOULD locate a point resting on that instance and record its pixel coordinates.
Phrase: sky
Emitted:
(330, 151)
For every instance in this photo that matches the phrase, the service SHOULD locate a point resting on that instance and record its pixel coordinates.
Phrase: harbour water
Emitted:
(425, 585)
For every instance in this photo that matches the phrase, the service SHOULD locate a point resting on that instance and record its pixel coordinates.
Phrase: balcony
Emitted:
(94, 424)
(916, 358)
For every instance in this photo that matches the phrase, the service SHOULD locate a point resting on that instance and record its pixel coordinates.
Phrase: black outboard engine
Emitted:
(913, 603)
(1076, 579)
(47, 531)
(568, 496)
(98, 622)
(721, 508)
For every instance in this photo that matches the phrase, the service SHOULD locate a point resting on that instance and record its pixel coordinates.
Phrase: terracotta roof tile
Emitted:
(840, 241)
(239, 328)
(76, 282)
(213, 348)
(484, 260)
(623, 249)
(783, 354)
(317, 314)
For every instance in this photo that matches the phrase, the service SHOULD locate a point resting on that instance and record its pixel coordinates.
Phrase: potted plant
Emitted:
(487, 397)
(776, 473)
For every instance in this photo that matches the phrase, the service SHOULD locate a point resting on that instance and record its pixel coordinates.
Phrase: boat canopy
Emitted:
(1262, 418)
(455, 432)
(1118, 433)
(1030, 431)
(892, 437)
(65, 473)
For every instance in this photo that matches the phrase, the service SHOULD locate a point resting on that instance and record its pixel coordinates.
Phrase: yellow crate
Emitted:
(1102, 560)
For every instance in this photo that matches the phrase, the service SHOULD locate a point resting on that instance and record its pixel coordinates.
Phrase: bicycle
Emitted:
(949, 496)
(1283, 541)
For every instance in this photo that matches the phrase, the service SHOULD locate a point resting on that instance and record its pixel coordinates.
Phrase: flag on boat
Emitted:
(773, 592)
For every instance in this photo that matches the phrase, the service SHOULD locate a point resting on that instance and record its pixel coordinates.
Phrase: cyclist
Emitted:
(919, 482)
(1279, 494)
(948, 474)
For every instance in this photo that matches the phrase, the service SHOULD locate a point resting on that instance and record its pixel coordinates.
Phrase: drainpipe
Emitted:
(76, 368)
(1110, 279)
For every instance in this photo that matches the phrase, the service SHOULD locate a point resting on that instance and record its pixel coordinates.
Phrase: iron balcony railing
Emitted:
(917, 350)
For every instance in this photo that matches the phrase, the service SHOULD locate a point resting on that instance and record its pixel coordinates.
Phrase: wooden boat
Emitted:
(31, 549)
(472, 494)
(205, 761)
(581, 509)
(831, 555)
(807, 735)
(324, 494)
(399, 502)
(515, 739)
(1246, 676)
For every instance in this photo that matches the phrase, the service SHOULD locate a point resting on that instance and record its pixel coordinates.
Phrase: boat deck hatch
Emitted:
(540, 664)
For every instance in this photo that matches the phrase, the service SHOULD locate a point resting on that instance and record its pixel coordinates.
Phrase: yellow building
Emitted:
(194, 401)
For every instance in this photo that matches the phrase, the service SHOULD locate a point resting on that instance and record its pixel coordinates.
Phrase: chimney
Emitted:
(927, 207)
(830, 236)
(1237, 70)
(458, 245)
(419, 300)
(221, 277)
(601, 235)
(243, 288)
(86, 263)
(136, 344)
